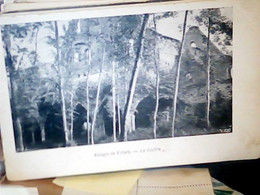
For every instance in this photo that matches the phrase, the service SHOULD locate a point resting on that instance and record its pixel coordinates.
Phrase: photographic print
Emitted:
(120, 78)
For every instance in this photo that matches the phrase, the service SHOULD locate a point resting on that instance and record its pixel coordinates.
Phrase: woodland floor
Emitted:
(138, 134)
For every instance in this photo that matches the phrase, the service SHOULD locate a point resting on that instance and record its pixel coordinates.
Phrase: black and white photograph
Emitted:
(120, 78)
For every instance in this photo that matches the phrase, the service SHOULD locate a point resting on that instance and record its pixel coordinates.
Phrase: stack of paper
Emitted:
(109, 183)
(159, 181)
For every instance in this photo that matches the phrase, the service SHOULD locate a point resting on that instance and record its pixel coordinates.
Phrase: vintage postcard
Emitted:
(92, 90)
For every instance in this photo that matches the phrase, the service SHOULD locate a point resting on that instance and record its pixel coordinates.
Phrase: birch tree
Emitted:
(32, 93)
(36, 28)
(114, 100)
(157, 68)
(208, 74)
(178, 71)
(218, 25)
(61, 84)
(97, 98)
(87, 97)
(41, 120)
(13, 64)
(70, 62)
(72, 107)
(132, 85)
(118, 115)
(24, 84)
(120, 33)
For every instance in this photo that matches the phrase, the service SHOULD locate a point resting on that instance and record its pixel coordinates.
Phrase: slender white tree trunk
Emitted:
(97, 99)
(88, 114)
(78, 27)
(20, 134)
(43, 136)
(87, 93)
(64, 114)
(114, 100)
(178, 73)
(208, 71)
(156, 106)
(71, 115)
(157, 93)
(36, 45)
(118, 115)
(61, 86)
(13, 87)
(132, 86)
(130, 100)
(133, 123)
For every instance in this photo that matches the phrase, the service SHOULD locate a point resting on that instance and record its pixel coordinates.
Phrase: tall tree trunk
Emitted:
(87, 93)
(78, 26)
(97, 99)
(36, 46)
(71, 115)
(16, 118)
(131, 91)
(178, 72)
(13, 100)
(43, 136)
(157, 93)
(114, 100)
(208, 71)
(133, 123)
(40, 120)
(64, 113)
(61, 86)
(118, 115)
(19, 133)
